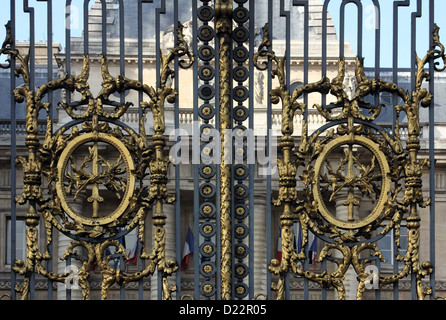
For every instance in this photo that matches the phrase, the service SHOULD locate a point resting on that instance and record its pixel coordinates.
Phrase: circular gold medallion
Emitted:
(353, 176)
(89, 166)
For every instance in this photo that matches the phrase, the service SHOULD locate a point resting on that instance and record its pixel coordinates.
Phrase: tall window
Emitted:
(388, 247)
(20, 238)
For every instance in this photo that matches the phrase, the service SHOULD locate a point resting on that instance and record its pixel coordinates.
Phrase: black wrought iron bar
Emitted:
(178, 165)
(432, 213)
(122, 42)
(413, 49)
(158, 12)
(377, 6)
(269, 171)
(104, 26)
(68, 288)
(86, 30)
(395, 98)
(195, 153)
(51, 115)
(122, 102)
(306, 80)
(251, 166)
(377, 12)
(32, 66)
(324, 45)
(234, 279)
(286, 14)
(140, 115)
(218, 276)
(13, 203)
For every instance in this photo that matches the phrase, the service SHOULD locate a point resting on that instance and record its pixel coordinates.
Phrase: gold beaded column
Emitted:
(223, 12)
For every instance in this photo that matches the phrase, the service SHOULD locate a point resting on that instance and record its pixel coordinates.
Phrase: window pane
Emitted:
(20, 240)
(386, 244)
(386, 247)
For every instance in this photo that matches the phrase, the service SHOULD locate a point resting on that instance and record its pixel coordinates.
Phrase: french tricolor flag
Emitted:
(312, 254)
(188, 249)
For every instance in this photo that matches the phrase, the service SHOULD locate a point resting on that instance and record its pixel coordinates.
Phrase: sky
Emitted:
(386, 25)
(423, 34)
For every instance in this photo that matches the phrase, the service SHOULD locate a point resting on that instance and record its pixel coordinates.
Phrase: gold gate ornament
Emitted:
(395, 164)
(351, 180)
(54, 160)
(108, 177)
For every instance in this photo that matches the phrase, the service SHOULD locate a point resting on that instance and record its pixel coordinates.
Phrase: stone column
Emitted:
(350, 281)
(260, 258)
(169, 211)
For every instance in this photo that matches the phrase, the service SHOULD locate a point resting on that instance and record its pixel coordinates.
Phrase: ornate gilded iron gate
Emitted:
(209, 134)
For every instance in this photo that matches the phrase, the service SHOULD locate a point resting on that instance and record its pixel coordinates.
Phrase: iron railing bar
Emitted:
(217, 182)
(396, 5)
(342, 30)
(51, 114)
(104, 26)
(324, 290)
(86, 28)
(68, 43)
(233, 200)
(32, 41)
(233, 181)
(305, 4)
(305, 115)
(360, 28)
(32, 66)
(377, 11)
(306, 266)
(140, 58)
(159, 11)
(286, 14)
(306, 51)
(122, 42)
(413, 43)
(306, 80)
(12, 79)
(416, 14)
(324, 45)
(122, 286)
(377, 38)
(251, 166)
(378, 291)
(68, 288)
(177, 165)
(67, 38)
(432, 220)
(122, 101)
(195, 153)
(268, 149)
(140, 115)
(395, 51)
